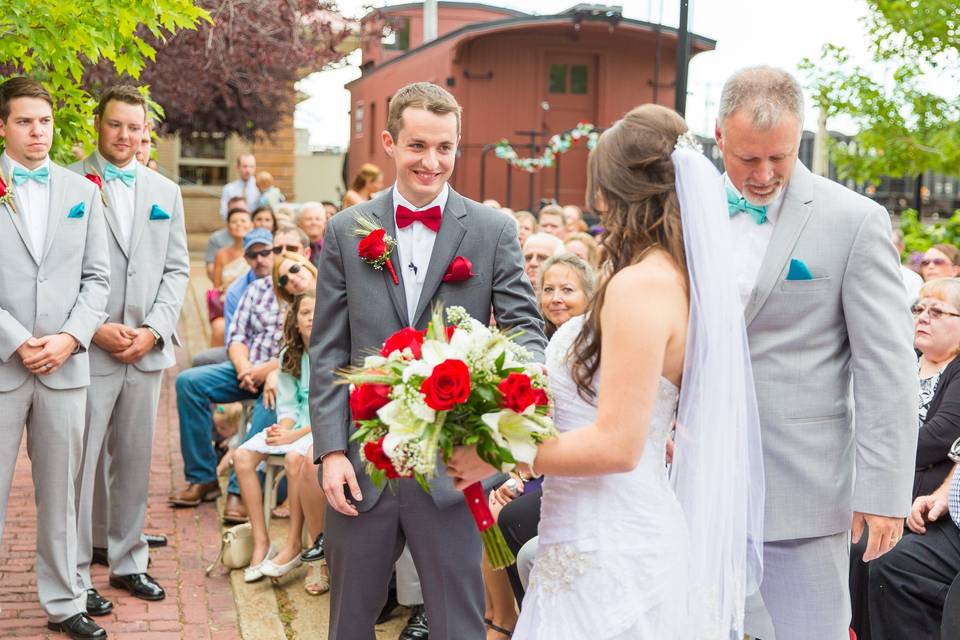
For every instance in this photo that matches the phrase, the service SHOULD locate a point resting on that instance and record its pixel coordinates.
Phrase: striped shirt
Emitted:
(258, 322)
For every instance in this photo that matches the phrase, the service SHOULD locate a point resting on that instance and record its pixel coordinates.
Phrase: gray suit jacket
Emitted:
(63, 290)
(148, 280)
(359, 307)
(822, 346)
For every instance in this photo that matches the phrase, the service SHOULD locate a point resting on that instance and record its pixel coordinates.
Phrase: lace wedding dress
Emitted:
(612, 557)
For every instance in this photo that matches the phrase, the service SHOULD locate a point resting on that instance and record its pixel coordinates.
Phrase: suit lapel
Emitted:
(90, 165)
(141, 206)
(17, 218)
(444, 249)
(384, 212)
(58, 205)
(796, 209)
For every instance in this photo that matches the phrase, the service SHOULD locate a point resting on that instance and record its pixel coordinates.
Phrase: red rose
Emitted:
(373, 452)
(3, 188)
(366, 399)
(540, 398)
(447, 386)
(450, 331)
(373, 246)
(408, 337)
(460, 269)
(518, 392)
(95, 179)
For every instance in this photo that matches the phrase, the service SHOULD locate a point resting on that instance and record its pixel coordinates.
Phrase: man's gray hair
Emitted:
(765, 93)
(284, 229)
(310, 205)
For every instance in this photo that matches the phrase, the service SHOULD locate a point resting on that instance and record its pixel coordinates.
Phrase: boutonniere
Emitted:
(460, 269)
(6, 193)
(375, 246)
(97, 180)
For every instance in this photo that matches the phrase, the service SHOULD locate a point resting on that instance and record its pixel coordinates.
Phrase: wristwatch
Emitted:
(156, 335)
(954, 453)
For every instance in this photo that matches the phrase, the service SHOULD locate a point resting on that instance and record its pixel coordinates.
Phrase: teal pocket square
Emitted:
(78, 210)
(156, 213)
(799, 270)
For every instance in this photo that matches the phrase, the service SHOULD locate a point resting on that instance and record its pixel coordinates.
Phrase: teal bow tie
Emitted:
(112, 173)
(21, 175)
(738, 204)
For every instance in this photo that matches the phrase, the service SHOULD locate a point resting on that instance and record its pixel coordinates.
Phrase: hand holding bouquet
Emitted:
(457, 384)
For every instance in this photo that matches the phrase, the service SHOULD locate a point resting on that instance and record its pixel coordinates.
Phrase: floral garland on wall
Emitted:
(557, 145)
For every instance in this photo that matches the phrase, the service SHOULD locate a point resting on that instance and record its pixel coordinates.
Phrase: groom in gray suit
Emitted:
(149, 269)
(358, 307)
(54, 282)
(829, 332)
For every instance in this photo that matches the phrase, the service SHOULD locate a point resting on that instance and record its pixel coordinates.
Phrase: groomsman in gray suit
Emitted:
(149, 269)
(829, 331)
(54, 283)
(358, 307)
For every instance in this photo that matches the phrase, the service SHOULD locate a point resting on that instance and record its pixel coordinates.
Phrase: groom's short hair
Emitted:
(764, 92)
(420, 95)
(21, 87)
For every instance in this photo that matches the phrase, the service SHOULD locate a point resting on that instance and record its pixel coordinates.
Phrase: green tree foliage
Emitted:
(54, 40)
(904, 127)
(918, 236)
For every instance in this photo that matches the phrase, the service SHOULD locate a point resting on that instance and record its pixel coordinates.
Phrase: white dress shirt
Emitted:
(240, 189)
(120, 199)
(32, 200)
(415, 246)
(912, 282)
(750, 241)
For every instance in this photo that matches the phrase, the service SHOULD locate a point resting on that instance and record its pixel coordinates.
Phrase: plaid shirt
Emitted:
(953, 500)
(258, 322)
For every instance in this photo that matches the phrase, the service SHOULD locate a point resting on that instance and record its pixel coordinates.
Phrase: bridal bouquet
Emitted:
(461, 383)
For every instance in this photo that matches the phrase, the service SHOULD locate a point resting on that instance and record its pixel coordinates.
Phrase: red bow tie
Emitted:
(429, 217)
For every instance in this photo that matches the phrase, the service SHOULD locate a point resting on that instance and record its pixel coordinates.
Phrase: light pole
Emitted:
(683, 56)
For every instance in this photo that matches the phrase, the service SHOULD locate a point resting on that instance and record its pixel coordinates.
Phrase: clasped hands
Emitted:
(251, 377)
(44, 355)
(126, 344)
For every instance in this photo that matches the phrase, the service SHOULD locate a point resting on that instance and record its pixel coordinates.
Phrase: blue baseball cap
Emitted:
(257, 236)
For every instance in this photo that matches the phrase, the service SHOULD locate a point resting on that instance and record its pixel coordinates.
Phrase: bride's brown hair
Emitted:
(630, 180)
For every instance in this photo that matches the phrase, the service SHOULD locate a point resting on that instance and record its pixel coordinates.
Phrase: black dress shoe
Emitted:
(388, 607)
(416, 628)
(154, 541)
(140, 585)
(97, 605)
(99, 556)
(79, 627)
(314, 553)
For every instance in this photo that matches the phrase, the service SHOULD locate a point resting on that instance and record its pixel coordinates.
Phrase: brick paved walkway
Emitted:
(196, 607)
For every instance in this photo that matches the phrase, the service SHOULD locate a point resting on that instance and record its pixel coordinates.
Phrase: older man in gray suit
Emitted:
(829, 331)
(53, 290)
(357, 308)
(149, 269)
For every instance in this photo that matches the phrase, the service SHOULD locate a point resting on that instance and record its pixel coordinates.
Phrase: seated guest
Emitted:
(584, 247)
(228, 265)
(566, 284)
(550, 220)
(536, 250)
(911, 279)
(940, 261)
(253, 345)
(221, 237)
(290, 437)
(329, 208)
(526, 225)
(293, 275)
(265, 218)
(937, 339)
(367, 182)
(909, 584)
(313, 220)
(314, 503)
(573, 216)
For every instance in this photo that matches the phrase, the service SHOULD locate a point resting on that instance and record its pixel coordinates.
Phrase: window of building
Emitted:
(557, 82)
(578, 79)
(203, 159)
(573, 78)
(358, 119)
(396, 35)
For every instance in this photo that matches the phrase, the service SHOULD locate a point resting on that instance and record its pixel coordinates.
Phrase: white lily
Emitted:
(374, 362)
(516, 431)
(400, 420)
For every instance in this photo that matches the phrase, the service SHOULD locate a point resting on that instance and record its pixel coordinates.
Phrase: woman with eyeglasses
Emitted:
(940, 261)
(228, 265)
(936, 316)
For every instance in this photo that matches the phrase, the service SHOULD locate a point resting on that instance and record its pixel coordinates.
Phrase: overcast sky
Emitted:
(776, 32)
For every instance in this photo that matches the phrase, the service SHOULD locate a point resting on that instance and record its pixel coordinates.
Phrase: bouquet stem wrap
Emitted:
(494, 544)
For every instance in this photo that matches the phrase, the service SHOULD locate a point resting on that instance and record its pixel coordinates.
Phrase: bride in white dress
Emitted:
(630, 550)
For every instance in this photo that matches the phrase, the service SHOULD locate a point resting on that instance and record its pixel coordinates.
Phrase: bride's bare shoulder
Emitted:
(656, 273)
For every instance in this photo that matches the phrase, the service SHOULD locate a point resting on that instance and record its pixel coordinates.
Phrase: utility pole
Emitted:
(429, 20)
(683, 57)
